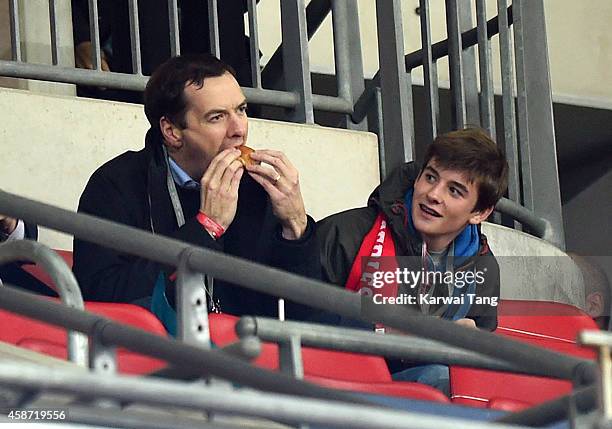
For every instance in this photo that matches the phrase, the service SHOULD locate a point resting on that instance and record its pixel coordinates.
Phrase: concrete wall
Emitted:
(52, 144)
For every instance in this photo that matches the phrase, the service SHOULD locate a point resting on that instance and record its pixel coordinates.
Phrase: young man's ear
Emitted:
(171, 133)
(481, 215)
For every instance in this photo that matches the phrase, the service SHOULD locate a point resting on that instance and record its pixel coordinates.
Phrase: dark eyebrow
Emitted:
(460, 186)
(433, 170)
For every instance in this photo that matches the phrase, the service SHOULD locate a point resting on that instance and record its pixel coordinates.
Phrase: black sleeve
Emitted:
(485, 314)
(106, 275)
(31, 231)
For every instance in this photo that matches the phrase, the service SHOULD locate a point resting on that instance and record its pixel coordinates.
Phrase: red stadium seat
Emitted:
(338, 370)
(47, 339)
(550, 325)
(50, 340)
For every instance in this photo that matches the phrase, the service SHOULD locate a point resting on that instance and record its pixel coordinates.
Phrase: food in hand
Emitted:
(245, 156)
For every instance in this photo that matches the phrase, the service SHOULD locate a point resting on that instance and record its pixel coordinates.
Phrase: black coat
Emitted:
(341, 236)
(131, 189)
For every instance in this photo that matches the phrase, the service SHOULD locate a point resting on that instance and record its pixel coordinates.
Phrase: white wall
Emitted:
(52, 144)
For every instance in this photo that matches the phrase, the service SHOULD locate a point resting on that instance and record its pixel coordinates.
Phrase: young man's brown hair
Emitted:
(472, 151)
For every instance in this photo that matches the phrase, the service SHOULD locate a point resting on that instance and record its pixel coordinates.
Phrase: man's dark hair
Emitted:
(472, 151)
(165, 91)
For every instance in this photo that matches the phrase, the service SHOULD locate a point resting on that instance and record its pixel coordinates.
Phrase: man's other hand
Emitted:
(219, 199)
(282, 184)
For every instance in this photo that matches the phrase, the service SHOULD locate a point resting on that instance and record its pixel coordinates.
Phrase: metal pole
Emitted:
(470, 76)
(396, 85)
(254, 43)
(94, 35)
(213, 28)
(347, 53)
(296, 59)
(15, 31)
(508, 106)
(135, 37)
(455, 63)
(429, 73)
(175, 38)
(53, 13)
(536, 124)
(487, 95)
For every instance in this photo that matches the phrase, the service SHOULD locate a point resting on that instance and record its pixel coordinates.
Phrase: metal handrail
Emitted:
(195, 359)
(64, 281)
(367, 342)
(414, 59)
(243, 403)
(293, 287)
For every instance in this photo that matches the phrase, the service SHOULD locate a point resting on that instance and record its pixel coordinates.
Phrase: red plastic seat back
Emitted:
(50, 340)
(41, 274)
(317, 362)
(546, 324)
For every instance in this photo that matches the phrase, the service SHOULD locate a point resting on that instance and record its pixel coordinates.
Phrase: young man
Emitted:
(431, 214)
(187, 183)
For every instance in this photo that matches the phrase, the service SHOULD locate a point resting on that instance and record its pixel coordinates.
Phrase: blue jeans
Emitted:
(432, 375)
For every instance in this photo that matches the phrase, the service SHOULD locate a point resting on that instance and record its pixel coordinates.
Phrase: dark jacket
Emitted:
(131, 189)
(341, 236)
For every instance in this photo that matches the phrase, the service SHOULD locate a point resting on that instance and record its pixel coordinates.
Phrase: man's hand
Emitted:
(282, 184)
(83, 54)
(468, 323)
(7, 224)
(219, 198)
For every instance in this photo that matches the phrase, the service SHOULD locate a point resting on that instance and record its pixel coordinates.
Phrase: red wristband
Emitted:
(210, 225)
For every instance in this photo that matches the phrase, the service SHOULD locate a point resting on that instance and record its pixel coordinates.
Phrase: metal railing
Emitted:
(498, 352)
(525, 128)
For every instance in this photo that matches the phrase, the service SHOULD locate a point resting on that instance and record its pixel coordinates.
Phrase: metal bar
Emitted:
(536, 124)
(192, 307)
(487, 94)
(290, 357)
(286, 285)
(508, 106)
(470, 76)
(254, 43)
(395, 85)
(455, 63)
(380, 131)
(539, 226)
(206, 362)
(429, 73)
(261, 404)
(296, 59)
(347, 53)
(213, 28)
(103, 359)
(15, 30)
(316, 12)
(364, 342)
(53, 13)
(603, 341)
(415, 59)
(63, 279)
(175, 37)
(135, 37)
(94, 35)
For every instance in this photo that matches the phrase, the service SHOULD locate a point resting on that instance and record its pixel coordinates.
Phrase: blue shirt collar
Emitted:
(181, 178)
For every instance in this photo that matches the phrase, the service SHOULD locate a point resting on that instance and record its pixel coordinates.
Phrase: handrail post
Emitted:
(191, 304)
(396, 85)
(296, 59)
(347, 52)
(535, 117)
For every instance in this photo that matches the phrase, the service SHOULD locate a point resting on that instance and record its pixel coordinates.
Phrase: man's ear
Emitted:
(481, 215)
(595, 304)
(171, 133)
